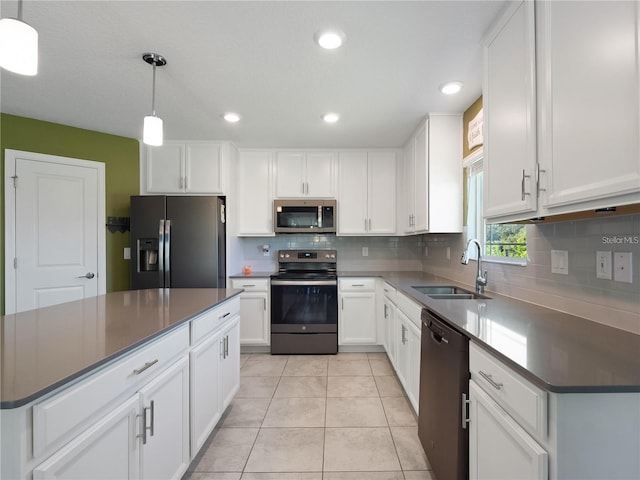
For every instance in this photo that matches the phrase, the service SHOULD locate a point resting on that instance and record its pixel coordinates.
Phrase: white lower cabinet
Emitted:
(165, 424)
(107, 450)
(215, 378)
(255, 323)
(499, 448)
(357, 314)
(229, 363)
(408, 356)
(389, 315)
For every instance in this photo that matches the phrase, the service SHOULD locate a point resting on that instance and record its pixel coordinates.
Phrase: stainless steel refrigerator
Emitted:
(177, 242)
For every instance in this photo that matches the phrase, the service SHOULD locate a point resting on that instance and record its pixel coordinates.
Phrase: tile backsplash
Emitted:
(384, 253)
(579, 293)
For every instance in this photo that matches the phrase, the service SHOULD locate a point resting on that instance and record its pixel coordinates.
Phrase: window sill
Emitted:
(518, 262)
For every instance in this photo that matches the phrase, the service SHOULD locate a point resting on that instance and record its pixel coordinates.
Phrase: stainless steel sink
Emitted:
(449, 292)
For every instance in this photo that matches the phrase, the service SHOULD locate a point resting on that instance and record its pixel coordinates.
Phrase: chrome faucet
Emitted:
(481, 280)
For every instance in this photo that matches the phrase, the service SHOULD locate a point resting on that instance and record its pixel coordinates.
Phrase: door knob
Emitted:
(89, 275)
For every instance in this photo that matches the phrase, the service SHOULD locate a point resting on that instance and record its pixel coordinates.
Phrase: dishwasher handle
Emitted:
(437, 335)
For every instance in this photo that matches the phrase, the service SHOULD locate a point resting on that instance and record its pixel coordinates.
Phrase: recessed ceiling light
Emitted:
(450, 88)
(329, 39)
(331, 117)
(231, 117)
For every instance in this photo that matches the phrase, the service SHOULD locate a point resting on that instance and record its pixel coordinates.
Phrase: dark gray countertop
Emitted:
(253, 275)
(43, 349)
(557, 351)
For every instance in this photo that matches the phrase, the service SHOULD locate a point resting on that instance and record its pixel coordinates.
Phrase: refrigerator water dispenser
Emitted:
(148, 255)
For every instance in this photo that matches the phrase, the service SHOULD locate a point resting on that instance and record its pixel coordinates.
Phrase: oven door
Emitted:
(304, 306)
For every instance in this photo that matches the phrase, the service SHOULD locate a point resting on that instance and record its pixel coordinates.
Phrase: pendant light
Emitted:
(18, 45)
(152, 131)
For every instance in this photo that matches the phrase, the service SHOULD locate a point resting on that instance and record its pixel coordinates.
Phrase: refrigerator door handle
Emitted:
(161, 252)
(167, 253)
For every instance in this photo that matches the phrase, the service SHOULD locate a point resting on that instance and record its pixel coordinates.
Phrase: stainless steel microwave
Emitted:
(304, 216)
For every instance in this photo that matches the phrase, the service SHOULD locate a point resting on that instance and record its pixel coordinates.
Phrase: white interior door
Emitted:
(55, 234)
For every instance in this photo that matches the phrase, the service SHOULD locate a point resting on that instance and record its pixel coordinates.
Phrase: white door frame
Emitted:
(10, 157)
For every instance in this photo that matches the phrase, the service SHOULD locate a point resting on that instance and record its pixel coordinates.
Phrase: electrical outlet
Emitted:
(560, 262)
(622, 267)
(127, 253)
(426, 251)
(448, 253)
(265, 250)
(365, 251)
(603, 265)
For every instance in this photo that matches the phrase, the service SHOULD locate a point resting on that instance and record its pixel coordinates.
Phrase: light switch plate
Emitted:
(127, 253)
(365, 251)
(603, 265)
(560, 262)
(622, 267)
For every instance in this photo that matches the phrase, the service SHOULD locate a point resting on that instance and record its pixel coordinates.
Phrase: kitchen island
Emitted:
(127, 383)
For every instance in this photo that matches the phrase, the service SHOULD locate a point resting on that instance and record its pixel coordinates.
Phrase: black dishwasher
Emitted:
(444, 387)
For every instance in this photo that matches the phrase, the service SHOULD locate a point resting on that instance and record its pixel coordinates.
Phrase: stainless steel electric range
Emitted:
(304, 303)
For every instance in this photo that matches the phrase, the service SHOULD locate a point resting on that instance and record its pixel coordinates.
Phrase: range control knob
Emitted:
(333, 255)
(326, 255)
(287, 255)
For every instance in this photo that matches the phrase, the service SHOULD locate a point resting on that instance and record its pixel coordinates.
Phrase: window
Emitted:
(504, 243)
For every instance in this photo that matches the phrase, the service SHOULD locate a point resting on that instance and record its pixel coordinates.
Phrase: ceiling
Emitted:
(255, 58)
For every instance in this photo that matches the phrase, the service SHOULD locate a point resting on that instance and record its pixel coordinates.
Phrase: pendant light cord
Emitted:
(153, 92)
(20, 10)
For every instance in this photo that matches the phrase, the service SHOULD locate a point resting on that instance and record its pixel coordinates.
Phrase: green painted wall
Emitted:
(121, 157)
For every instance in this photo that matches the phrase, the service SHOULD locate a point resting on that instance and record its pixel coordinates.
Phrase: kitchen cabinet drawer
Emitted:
(212, 320)
(410, 308)
(251, 284)
(526, 402)
(390, 292)
(61, 413)
(356, 284)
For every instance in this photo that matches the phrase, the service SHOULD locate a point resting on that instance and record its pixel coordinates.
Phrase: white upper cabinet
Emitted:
(562, 109)
(367, 193)
(433, 176)
(185, 168)
(305, 174)
(510, 115)
(589, 106)
(255, 194)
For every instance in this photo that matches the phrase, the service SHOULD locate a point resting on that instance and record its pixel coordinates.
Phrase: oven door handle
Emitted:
(298, 283)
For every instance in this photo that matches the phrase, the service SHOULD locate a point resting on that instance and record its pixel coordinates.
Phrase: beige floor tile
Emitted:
(227, 450)
(349, 367)
(245, 412)
(409, 448)
(355, 412)
(389, 386)
(422, 475)
(212, 476)
(381, 367)
(295, 412)
(399, 412)
(287, 450)
(301, 387)
(263, 366)
(283, 476)
(359, 449)
(306, 367)
(243, 358)
(351, 387)
(361, 476)
(257, 387)
(377, 356)
(349, 356)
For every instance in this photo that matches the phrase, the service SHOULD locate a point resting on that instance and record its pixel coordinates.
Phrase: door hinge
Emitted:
(15, 263)
(15, 181)
(223, 214)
